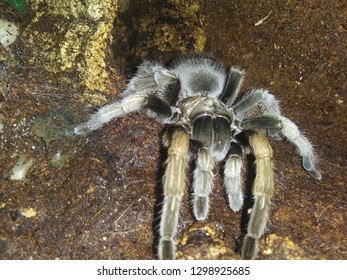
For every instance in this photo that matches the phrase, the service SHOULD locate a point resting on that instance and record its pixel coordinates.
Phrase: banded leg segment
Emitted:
(262, 191)
(232, 177)
(203, 183)
(175, 182)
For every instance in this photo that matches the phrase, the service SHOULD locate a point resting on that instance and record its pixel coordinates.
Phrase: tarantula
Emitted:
(198, 98)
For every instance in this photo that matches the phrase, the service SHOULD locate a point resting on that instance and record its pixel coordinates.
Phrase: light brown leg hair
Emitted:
(263, 186)
(175, 182)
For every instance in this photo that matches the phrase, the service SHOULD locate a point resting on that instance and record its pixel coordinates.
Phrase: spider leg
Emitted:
(291, 132)
(153, 87)
(278, 125)
(232, 177)
(270, 106)
(265, 104)
(203, 183)
(106, 113)
(174, 186)
(261, 122)
(304, 148)
(249, 100)
(262, 191)
(232, 86)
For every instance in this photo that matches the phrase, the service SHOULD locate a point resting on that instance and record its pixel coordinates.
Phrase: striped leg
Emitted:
(262, 192)
(175, 181)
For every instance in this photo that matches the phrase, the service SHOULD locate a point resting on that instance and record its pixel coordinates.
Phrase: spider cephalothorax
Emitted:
(198, 99)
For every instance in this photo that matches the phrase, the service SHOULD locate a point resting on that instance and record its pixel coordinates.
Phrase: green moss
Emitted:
(55, 124)
(19, 5)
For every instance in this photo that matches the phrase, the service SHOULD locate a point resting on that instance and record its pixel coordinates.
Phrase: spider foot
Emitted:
(249, 248)
(81, 129)
(167, 250)
(307, 163)
(201, 205)
(235, 201)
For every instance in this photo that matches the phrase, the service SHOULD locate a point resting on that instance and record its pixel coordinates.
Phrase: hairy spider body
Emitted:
(198, 98)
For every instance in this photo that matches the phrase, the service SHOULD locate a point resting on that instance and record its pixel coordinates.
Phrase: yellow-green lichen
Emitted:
(29, 212)
(72, 36)
(202, 241)
(284, 248)
(147, 28)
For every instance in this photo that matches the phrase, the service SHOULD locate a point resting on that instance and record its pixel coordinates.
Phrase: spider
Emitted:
(197, 97)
